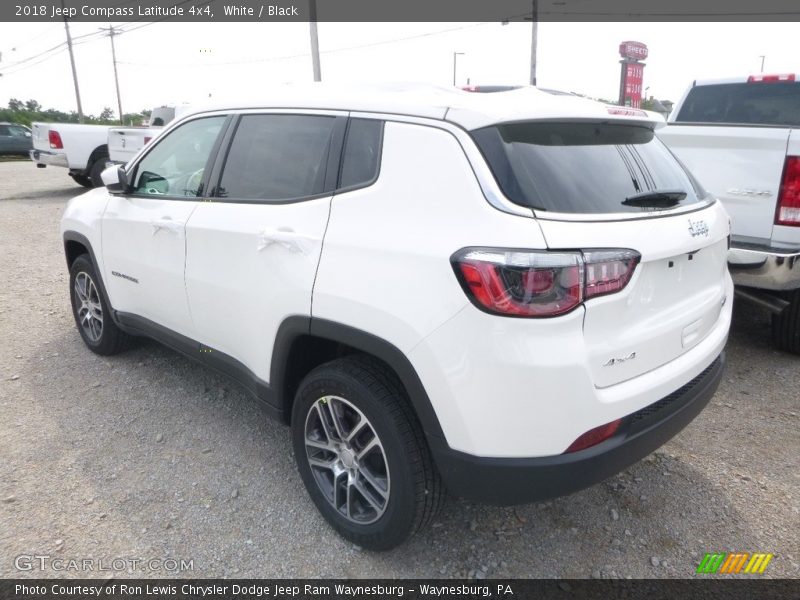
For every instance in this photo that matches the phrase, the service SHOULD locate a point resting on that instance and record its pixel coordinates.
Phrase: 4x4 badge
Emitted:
(697, 228)
(615, 361)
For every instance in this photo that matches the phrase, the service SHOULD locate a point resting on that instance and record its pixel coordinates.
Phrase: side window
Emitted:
(277, 157)
(362, 152)
(175, 166)
(17, 131)
(4, 130)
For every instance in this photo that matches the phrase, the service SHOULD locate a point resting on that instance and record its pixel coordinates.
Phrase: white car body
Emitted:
(495, 394)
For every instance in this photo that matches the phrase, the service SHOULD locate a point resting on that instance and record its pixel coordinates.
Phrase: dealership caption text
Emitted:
(255, 590)
(203, 10)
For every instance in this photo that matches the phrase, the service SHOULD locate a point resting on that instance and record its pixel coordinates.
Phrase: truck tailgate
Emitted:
(741, 166)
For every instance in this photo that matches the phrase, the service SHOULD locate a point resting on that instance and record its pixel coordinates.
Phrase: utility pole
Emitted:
(111, 34)
(314, 40)
(534, 38)
(72, 61)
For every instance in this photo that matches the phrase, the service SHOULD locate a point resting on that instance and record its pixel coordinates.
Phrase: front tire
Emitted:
(362, 454)
(92, 314)
(786, 325)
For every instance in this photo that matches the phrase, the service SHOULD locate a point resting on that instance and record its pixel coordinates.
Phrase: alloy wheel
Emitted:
(347, 459)
(89, 310)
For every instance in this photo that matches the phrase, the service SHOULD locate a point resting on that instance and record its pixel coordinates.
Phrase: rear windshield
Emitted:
(584, 168)
(775, 103)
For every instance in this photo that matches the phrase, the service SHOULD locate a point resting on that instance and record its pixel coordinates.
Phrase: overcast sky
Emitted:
(167, 63)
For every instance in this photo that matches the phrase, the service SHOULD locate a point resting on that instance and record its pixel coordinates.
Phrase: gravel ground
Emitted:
(149, 455)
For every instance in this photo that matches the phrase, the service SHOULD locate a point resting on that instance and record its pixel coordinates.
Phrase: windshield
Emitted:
(585, 168)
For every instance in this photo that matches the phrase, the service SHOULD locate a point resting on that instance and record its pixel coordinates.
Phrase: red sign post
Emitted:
(632, 73)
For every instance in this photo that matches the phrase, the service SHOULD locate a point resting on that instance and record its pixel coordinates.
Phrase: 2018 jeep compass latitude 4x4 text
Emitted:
(510, 296)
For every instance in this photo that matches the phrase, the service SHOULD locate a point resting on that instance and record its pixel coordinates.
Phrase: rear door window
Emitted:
(362, 153)
(586, 168)
(277, 157)
(773, 103)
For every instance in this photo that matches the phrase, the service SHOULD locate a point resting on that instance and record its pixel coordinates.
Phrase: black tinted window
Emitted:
(743, 103)
(277, 157)
(362, 152)
(580, 167)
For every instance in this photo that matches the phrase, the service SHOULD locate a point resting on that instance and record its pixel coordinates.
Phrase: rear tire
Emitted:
(92, 315)
(82, 180)
(373, 478)
(98, 166)
(786, 326)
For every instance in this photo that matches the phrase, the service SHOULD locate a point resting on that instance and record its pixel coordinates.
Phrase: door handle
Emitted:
(166, 224)
(288, 238)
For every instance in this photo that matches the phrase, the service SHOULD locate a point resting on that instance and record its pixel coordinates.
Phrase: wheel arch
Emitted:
(76, 244)
(303, 343)
(98, 152)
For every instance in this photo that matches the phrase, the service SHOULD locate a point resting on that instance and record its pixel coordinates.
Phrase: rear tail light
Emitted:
(55, 140)
(770, 78)
(594, 436)
(608, 271)
(788, 212)
(538, 283)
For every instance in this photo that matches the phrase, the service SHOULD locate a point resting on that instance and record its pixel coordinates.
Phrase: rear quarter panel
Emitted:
(385, 266)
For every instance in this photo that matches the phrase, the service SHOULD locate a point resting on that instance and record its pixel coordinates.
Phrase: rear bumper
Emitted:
(44, 157)
(765, 268)
(509, 481)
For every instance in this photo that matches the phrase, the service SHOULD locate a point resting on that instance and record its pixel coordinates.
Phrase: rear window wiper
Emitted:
(655, 199)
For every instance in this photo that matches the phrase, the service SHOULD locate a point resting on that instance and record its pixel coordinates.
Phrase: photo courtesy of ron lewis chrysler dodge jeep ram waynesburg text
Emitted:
(508, 296)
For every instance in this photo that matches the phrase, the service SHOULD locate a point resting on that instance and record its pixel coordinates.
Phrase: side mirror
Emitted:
(27, 134)
(115, 179)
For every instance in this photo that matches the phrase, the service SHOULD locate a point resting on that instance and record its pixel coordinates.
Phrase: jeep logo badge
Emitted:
(697, 228)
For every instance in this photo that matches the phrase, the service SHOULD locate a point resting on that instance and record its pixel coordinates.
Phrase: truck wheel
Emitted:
(362, 454)
(82, 180)
(786, 326)
(98, 330)
(98, 166)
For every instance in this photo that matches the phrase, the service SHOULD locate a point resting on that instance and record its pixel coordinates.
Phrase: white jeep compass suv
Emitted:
(510, 296)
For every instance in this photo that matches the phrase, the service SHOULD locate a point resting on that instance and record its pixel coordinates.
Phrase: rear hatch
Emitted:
(612, 185)
(733, 137)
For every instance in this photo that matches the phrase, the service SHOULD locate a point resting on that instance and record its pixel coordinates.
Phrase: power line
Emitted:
(305, 54)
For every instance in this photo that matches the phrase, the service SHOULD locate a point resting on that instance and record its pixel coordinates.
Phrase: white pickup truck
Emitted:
(85, 149)
(125, 142)
(741, 138)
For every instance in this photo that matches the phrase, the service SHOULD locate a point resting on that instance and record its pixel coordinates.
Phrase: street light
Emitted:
(455, 59)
